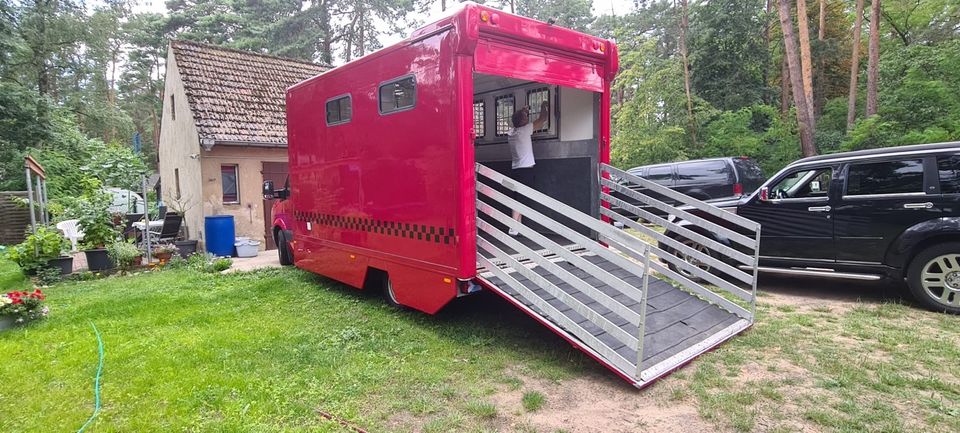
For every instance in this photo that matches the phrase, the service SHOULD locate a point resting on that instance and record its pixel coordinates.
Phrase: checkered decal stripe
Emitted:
(420, 232)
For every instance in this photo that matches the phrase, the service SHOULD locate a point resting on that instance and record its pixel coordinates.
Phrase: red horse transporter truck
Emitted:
(399, 179)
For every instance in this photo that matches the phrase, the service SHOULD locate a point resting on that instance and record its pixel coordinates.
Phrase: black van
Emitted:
(706, 179)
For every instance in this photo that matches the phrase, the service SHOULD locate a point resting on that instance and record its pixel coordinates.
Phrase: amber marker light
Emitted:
(485, 16)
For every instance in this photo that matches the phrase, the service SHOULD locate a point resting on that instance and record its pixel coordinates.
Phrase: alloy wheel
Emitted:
(941, 279)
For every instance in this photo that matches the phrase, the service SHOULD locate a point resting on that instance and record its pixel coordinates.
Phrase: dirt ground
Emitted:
(602, 403)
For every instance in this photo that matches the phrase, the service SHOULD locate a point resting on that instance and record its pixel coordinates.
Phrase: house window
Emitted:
(173, 108)
(535, 100)
(504, 105)
(398, 95)
(479, 118)
(176, 179)
(228, 179)
(339, 110)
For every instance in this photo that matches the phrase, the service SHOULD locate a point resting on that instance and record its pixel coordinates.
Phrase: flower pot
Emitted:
(163, 257)
(186, 248)
(7, 322)
(64, 263)
(98, 260)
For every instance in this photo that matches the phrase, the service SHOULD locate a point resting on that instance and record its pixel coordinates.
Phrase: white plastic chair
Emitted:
(71, 230)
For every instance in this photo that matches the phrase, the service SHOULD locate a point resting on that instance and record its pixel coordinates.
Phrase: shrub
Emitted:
(38, 249)
(125, 254)
(219, 265)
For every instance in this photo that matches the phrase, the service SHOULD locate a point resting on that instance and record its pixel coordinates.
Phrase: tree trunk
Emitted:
(821, 61)
(806, 63)
(684, 23)
(326, 43)
(873, 59)
(784, 86)
(804, 122)
(854, 67)
(443, 5)
(767, 96)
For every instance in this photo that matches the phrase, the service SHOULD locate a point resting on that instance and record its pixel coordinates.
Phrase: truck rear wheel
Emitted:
(390, 295)
(934, 277)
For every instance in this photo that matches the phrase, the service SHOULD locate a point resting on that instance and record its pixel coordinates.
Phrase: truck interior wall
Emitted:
(567, 155)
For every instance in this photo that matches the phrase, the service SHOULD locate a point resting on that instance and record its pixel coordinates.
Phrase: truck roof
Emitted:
(472, 20)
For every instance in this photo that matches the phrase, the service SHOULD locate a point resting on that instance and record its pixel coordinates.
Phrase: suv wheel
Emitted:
(934, 277)
(691, 260)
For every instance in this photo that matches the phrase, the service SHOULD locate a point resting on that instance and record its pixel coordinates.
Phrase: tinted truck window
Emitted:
(662, 175)
(949, 169)
(715, 172)
(892, 177)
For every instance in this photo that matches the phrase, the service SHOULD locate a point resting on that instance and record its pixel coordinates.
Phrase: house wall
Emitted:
(178, 141)
(248, 215)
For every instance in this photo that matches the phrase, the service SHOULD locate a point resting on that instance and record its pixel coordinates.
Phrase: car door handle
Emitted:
(926, 205)
(819, 208)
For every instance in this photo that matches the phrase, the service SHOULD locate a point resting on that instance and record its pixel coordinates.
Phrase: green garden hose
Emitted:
(96, 382)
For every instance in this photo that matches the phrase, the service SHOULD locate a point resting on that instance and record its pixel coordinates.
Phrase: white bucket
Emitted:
(246, 247)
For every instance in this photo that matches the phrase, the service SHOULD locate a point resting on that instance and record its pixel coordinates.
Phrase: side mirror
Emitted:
(765, 194)
(268, 193)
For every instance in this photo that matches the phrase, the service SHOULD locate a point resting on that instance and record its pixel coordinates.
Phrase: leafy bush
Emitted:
(49, 275)
(219, 265)
(38, 249)
(125, 254)
(203, 262)
(95, 220)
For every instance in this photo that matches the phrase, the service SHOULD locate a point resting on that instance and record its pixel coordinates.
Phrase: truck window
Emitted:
(536, 98)
(949, 169)
(890, 177)
(397, 95)
(339, 110)
(504, 105)
(714, 172)
(662, 175)
(479, 118)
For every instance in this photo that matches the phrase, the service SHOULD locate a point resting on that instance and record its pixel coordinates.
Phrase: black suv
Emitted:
(870, 214)
(706, 179)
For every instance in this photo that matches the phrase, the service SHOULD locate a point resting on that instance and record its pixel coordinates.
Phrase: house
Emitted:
(223, 132)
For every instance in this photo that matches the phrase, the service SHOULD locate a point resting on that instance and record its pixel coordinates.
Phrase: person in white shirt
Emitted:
(520, 139)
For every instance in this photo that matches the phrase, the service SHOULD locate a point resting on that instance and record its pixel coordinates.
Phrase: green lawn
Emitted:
(264, 351)
(276, 350)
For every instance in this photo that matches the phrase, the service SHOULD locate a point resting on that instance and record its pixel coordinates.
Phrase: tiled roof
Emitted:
(237, 97)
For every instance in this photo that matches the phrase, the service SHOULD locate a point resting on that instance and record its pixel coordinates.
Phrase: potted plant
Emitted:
(125, 254)
(44, 248)
(18, 308)
(184, 244)
(98, 231)
(163, 252)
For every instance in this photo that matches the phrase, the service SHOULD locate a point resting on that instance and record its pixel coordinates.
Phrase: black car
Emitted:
(706, 179)
(871, 214)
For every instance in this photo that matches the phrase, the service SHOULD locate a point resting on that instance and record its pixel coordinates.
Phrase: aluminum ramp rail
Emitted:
(601, 297)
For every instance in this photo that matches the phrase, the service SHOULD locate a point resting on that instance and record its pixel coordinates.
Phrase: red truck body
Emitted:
(396, 192)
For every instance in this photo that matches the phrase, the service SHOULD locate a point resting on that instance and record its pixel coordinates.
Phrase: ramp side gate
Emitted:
(606, 293)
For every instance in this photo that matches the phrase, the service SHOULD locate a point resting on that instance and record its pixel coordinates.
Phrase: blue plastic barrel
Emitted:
(220, 234)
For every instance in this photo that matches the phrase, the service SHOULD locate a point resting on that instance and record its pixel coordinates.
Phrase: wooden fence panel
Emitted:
(14, 219)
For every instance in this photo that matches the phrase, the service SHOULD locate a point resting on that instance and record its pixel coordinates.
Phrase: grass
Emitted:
(533, 401)
(264, 351)
(276, 350)
(874, 368)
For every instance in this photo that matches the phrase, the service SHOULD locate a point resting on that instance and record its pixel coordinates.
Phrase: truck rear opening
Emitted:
(400, 179)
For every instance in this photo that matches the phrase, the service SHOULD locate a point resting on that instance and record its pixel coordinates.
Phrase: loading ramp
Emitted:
(605, 292)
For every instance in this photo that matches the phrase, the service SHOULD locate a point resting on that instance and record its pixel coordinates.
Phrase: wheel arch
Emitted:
(919, 237)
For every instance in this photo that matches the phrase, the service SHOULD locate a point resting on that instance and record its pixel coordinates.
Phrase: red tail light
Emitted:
(738, 189)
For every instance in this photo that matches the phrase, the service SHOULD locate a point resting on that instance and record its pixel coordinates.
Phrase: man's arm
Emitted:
(544, 116)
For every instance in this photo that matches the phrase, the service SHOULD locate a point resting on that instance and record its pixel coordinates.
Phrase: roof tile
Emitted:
(238, 96)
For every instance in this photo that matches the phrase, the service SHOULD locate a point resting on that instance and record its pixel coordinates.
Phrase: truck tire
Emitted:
(283, 249)
(934, 277)
(390, 296)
